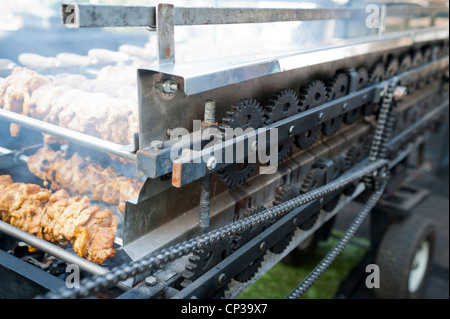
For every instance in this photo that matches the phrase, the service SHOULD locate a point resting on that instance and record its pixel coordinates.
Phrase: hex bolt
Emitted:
(211, 163)
(157, 144)
(150, 281)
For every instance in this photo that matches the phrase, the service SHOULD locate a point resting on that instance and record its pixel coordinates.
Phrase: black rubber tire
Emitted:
(395, 257)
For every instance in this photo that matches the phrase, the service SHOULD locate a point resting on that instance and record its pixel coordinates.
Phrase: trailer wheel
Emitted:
(405, 258)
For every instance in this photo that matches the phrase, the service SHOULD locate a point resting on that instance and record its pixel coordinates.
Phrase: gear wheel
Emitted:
(352, 116)
(237, 173)
(363, 78)
(354, 155)
(283, 150)
(336, 88)
(336, 171)
(203, 260)
(314, 179)
(312, 95)
(307, 138)
(247, 113)
(285, 193)
(392, 68)
(377, 73)
(250, 270)
(281, 105)
(405, 64)
(417, 59)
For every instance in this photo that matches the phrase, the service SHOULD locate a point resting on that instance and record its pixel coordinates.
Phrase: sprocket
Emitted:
(336, 88)
(392, 68)
(314, 179)
(281, 105)
(311, 95)
(284, 194)
(247, 113)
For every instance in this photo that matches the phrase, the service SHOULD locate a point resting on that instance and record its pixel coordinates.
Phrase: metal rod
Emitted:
(97, 15)
(205, 188)
(70, 135)
(52, 249)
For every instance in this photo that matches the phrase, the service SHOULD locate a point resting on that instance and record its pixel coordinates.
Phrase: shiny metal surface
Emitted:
(70, 135)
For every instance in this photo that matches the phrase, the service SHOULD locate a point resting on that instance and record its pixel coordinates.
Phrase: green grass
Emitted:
(282, 279)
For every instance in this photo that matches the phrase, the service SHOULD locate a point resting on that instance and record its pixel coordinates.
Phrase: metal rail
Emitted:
(52, 249)
(79, 15)
(70, 135)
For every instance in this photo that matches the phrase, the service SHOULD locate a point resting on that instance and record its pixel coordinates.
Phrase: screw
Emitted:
(211, 163)
(210, 112)
(157, 144)
(291, 129)
(168, 86)
(222, 278)
(344, 106)
(262, 247)
(321, 115)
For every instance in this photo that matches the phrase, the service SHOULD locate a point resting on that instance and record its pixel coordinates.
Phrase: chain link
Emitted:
(147, 265)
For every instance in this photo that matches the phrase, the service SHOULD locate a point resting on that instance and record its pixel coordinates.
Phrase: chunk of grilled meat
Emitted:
(78, 176)
(59, 218)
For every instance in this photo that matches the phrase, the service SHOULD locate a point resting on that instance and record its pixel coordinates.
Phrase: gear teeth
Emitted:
(312, 95)
(392, 68)
(306, 139)
(275, 109)
(377, 74)
(363, 78)
(335, 85)
(286, 193)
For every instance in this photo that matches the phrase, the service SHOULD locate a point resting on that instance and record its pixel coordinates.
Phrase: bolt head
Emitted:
(291, 129)
(157, 144)
(222, 278)
(150, 281)
(262, 247)
(321, 116)
(211, 163)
